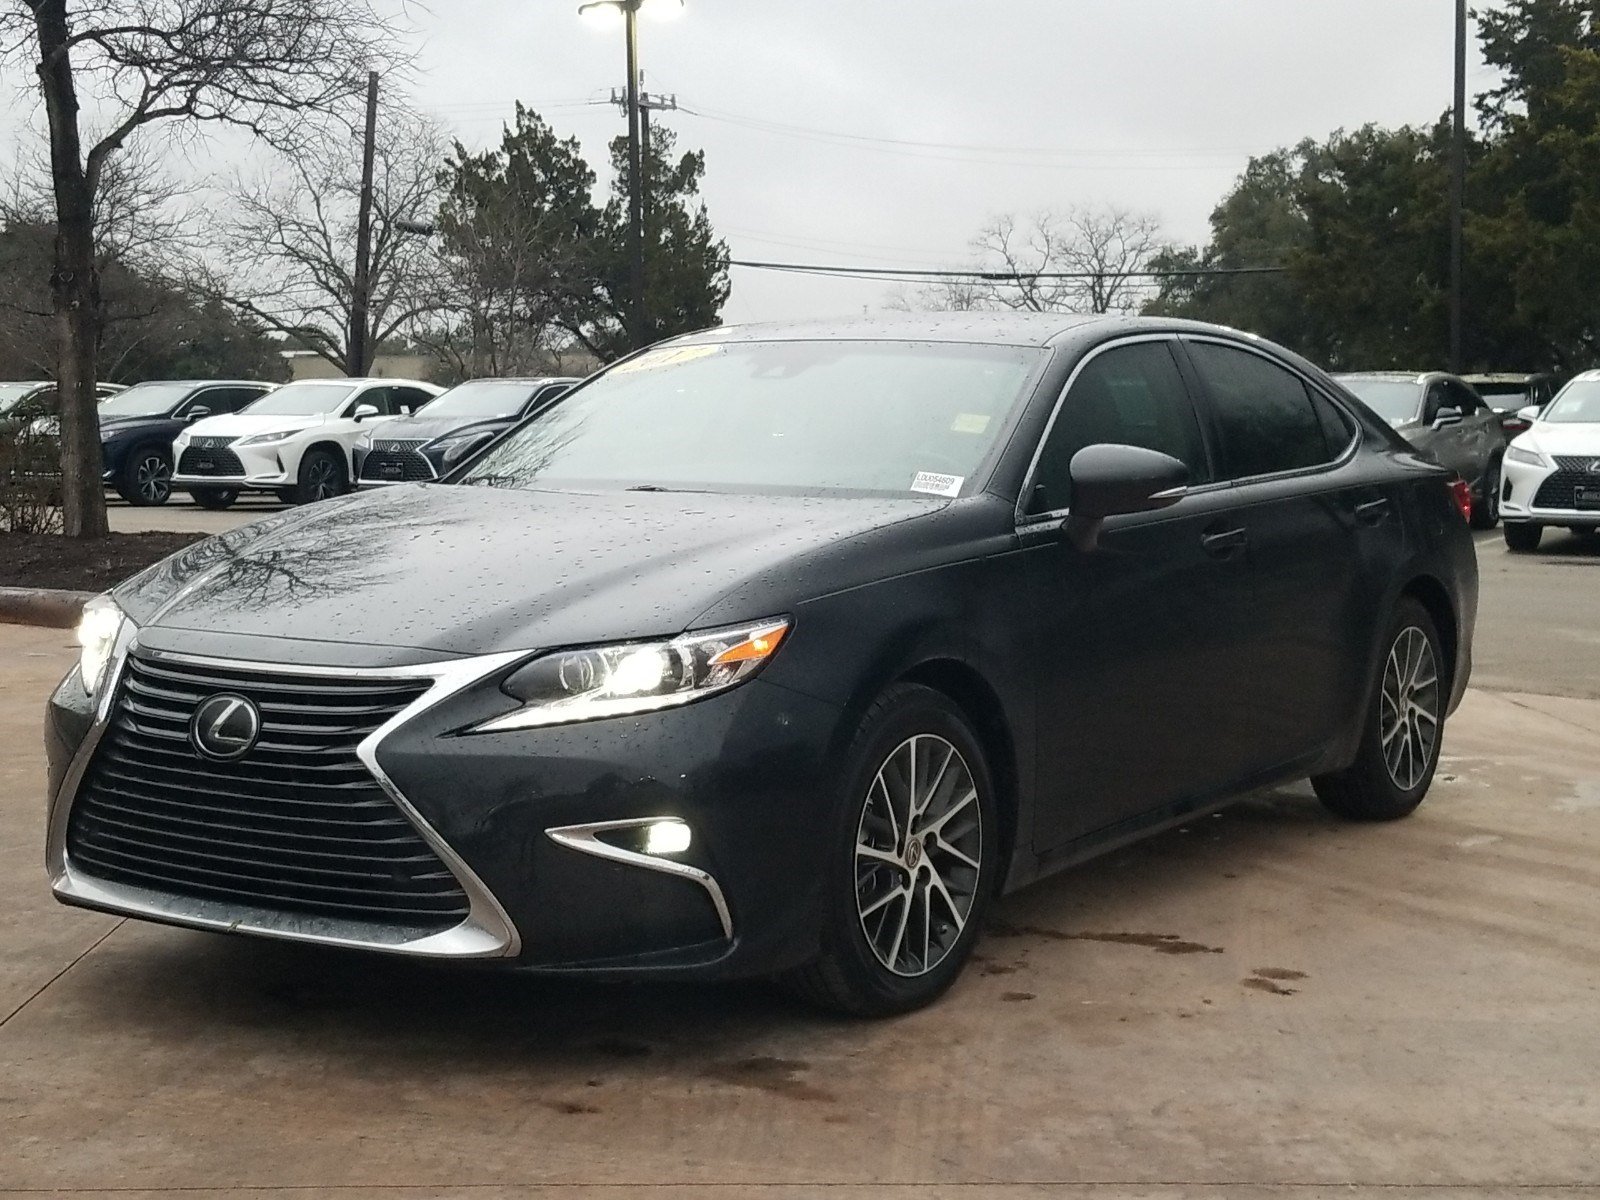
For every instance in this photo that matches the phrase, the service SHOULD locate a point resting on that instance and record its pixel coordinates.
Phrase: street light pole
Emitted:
(638, 321)
(1458, 187)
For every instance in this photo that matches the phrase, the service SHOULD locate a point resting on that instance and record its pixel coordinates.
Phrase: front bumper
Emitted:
(263, 469)
(1526, 491)
(535, 825)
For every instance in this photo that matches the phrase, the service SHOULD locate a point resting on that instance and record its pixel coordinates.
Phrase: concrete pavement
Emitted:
(1268, 1003)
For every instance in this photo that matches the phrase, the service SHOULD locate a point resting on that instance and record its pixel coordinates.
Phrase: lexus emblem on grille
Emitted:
(225, 726)
(1594, 467)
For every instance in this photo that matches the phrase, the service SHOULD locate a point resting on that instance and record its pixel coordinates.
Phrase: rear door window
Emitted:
(1266, 418)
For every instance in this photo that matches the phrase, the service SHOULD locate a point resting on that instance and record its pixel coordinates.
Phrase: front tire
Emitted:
(1404, 727)
(912, 861)
(146, 477)
(1523, 537)
(321, 477)
(214, 498)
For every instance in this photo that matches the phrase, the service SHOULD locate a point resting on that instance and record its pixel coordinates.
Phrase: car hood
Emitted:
(243, 424)
(114, 425)
(474, 570)
(422, 428)
(1575, 439)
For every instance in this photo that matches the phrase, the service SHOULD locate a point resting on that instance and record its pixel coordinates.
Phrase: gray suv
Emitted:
(1445, 420)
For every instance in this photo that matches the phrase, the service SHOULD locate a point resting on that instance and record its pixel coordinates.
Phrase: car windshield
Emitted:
(1394, 400)
(301, 400)
(1503, 395)
(482, 398)
(146, 400)
(10, 393)
(1577, 404)
(807, 416)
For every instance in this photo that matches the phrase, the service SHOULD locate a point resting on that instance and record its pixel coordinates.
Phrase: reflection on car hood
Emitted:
(473, 570)
(243, 424)
(1580, 438)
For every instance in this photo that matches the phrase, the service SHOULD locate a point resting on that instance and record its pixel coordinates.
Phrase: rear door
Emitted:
(1484, 435)
(1309, 516)
(1451, 445)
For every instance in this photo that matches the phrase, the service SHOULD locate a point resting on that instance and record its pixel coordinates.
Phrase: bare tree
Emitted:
(1081, 259)
(291, 244)
(255, 64)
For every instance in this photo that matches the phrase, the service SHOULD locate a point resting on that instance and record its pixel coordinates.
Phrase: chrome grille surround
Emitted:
(485, 932)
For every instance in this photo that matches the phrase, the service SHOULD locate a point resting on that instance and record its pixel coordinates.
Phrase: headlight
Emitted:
(613, 681)
(98, 630)
(267, 439)
(1530, 458)
(452, 450)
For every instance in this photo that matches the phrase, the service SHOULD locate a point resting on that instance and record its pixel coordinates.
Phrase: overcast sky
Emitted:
(1010, 105)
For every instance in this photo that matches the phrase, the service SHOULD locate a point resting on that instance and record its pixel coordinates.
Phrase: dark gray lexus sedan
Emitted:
(775, 651)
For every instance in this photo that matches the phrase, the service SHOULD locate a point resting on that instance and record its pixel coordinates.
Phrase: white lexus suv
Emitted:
(296, 441)
(1552, 472)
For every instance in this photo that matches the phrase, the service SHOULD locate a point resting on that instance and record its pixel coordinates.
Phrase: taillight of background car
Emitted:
(1462, 495)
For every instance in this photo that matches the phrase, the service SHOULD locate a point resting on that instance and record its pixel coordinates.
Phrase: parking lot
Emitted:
(1265, 1003)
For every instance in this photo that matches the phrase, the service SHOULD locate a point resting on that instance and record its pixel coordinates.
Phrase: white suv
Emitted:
(295, 441)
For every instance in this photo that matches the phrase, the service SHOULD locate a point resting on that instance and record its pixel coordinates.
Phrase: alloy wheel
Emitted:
(918, 856)
(1410, 708)
(322, 476)
(153, 478)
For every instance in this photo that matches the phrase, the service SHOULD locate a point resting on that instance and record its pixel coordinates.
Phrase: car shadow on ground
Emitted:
(169, 984)
(1557, 543)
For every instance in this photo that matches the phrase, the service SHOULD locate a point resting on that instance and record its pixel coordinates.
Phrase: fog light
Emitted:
(666, 837)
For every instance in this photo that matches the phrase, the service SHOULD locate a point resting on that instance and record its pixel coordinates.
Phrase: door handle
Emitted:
(1225, 543)
(1372, 512)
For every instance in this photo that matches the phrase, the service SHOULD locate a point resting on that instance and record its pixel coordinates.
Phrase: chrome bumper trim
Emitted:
(486, 931)
(582, 838)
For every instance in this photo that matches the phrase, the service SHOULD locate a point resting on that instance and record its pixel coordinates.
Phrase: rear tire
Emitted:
(911, 860)
(321, 477)
(1486, 510)
(214, 498)
(1404, 726)
(145, 479)
(1523, 537)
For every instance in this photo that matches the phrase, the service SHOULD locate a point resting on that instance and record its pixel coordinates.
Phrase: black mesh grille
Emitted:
(209, 462)
(298, 825)
(1559, 491)
(393, 460)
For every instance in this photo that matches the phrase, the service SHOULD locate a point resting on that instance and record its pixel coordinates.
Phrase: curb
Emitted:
(53, 608)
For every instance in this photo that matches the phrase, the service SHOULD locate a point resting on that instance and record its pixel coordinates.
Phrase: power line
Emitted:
(915, 274)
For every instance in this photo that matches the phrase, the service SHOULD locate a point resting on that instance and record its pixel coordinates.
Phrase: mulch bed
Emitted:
(82, 564)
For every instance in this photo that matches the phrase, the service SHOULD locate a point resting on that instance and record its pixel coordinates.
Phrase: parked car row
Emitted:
(302, 441)
(1552, 472)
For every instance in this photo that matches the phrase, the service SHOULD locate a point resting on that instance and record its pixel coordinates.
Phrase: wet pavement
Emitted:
(1267, 1003)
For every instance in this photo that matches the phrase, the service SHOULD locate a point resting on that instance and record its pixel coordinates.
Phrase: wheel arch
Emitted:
(340, 454)
(978, 701)
(1435, 599)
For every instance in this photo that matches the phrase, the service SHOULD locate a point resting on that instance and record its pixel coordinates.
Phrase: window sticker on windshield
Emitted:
(672, 356)
(969, 423)
(937, 485)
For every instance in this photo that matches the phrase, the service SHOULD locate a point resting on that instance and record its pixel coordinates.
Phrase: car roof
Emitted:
(211, 382)
(1395, 376)
(1505, 377)
(1000, 329)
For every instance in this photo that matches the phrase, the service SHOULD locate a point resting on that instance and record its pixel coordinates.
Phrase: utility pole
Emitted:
(640, 330)
(647, 105)
(359, 356)
(1458, 187)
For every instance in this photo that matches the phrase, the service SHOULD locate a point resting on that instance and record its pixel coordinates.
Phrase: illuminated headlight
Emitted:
(612, 681)
(1531, 458)
(269, 439)
(452, 450)
(98, 630)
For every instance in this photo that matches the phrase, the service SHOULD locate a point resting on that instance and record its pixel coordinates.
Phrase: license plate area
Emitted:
(391, 470)
(1587, 498)
(205, 464)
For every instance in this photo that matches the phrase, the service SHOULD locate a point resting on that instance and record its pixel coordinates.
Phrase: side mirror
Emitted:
(1109, 480)
(363, 411)
(1446, 416)
(1530, 414)
(195, 413)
